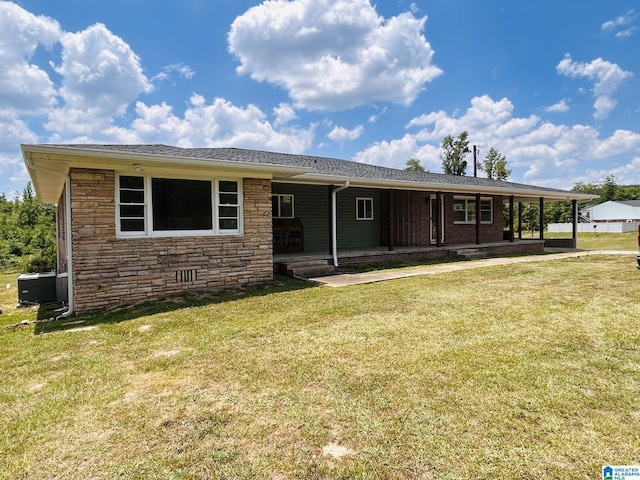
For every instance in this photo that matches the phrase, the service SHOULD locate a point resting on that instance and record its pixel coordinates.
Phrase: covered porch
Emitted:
(346, 225)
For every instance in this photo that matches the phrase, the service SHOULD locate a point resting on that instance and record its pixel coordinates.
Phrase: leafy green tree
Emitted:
(27, 233)
(495, 165)
(414, 165)
(453, 153)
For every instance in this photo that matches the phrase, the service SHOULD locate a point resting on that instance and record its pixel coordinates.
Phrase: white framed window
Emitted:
(132, 206)
(158, 206)
(486, 210)
(364, 208)
(282, 205)
(464, 210)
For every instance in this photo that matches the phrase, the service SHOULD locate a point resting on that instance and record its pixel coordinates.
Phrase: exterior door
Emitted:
(434, 218)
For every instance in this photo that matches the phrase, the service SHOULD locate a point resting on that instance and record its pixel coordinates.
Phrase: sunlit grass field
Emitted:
(527, 371)
(598, 241)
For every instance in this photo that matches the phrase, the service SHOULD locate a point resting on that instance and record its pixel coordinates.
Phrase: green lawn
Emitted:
(600, 241)
(522, 371)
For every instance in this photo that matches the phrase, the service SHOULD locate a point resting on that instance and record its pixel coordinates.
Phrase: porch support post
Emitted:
(334, 221)
(520, 220)
(477, 219)
(392, 219)
(330, 216)
(574, 205)
(541, 207)
(439, 219)
(511, 214)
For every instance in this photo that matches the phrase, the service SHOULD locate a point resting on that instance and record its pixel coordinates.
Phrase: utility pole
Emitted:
(475, 161)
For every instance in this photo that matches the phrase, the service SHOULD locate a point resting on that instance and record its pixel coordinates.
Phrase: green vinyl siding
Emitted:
(311, 206)
(354, 233)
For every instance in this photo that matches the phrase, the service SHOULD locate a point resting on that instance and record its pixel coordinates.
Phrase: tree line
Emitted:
(27, 233)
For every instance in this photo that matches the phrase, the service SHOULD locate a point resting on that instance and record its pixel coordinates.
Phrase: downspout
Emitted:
(67, 213)
(334, 221)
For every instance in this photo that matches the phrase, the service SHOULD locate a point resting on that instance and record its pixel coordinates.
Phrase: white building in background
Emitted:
(609, 217)
(614, 211)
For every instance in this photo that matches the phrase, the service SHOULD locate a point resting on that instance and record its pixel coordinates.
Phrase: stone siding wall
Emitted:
(109, 272)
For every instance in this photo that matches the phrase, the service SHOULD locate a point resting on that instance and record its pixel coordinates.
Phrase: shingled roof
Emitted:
(314, 169)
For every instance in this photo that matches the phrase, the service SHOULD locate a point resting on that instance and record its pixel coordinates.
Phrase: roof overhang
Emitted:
(49, 165)
(520, 193)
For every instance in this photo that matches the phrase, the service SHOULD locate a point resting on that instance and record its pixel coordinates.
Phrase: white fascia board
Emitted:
(94, 158)
(532, 193)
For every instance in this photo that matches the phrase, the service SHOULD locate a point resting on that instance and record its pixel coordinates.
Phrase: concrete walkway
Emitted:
(346, 279)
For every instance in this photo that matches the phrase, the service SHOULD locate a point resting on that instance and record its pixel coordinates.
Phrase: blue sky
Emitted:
(552, 85)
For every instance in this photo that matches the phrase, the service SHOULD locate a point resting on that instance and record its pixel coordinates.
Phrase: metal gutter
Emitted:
(334, 221)
(533, 193)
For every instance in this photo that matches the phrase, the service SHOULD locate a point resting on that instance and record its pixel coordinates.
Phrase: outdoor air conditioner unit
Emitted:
(37, 288)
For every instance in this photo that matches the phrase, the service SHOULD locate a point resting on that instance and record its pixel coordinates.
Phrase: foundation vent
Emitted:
(186, 276)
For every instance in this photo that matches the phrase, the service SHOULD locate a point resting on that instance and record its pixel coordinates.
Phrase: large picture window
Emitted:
(181, 204)
(464, 210)
(170, 206)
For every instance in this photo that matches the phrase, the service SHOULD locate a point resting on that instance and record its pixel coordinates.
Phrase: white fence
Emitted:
(596, 227)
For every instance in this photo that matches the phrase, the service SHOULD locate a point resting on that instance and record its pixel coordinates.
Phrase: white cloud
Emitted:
(606, 76)
(373, 118)
(219, 124)
(561, 106)
(395, 153)
(101, 76)
(25, 88)
(626, 174)
(621, 22)
(179, 69)
(284, 113)
(340, 134)
(626, 33)
(539, 152)
(622, 142)
(344, 54)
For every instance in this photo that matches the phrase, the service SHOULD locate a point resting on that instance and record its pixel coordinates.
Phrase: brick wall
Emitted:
(109, 272)
(455, 233)
(411, 219)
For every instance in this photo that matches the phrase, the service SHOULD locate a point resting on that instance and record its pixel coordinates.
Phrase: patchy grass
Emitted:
(9, 299)
(521, 371)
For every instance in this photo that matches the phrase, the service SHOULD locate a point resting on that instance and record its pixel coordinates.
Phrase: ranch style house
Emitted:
(144, 222)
